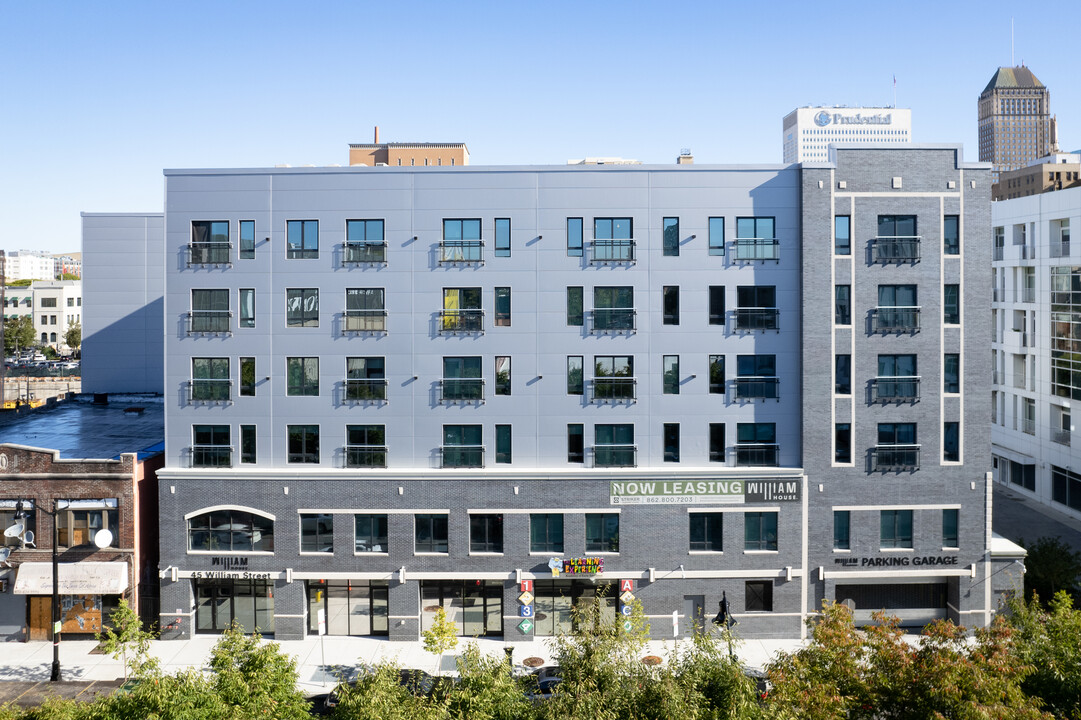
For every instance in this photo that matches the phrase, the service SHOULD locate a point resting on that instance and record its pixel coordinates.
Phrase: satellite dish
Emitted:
(15, 530)
(103, 538)
(28, 537)
(5, 553)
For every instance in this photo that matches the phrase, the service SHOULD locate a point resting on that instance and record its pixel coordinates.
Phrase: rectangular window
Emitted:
(842, 235)
(247, 444)
(671, 442)
(364, 242)
(49, 302)
(576, 452)
(247, 308)
(211, 446)
(716, 236)
(613, 377)
(670, 304)
(462, 310)
(210, 242)
(302, 237)
(842, 443)
(247, 377)
(574, 237)
(78, 522)
(842, 530)
(842, 374)
(317, 533)
(365, 310)
(613, 239)
(951, 369)
(896, 528)
(502, 237)
(842, 298)
(575, 375)
(613, 308)
(951, 304)
(613, 445)
(951, 235)
(463, 446)
(951, 441)
(302, 307)
(302, 376)
(758, 596)
(756, 444)
(575, 313)
(716, 304)
(760, 531)
(671, 236)
(671, 375)
(462, 379)
(210, 311)
(949, 528)
(370, 533)
(546, 533)
(461, 241)
(502, 307)
(756, 376)
(716, 442)
(716, 374)
(210, 380)
(706, 531)
(502, 444)
(247, 239)
(485, 533)
(755, 239)
(365, 446)
(502, 375)
(430, 534)
(602, 532)
(304, 444)
(365, 378)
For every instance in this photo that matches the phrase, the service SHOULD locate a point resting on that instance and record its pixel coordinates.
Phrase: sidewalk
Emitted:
(318, 660)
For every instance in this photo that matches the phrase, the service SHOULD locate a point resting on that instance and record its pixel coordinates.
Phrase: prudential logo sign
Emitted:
(822, 119)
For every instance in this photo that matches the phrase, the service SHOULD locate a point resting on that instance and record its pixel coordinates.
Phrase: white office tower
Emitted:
(809, 131)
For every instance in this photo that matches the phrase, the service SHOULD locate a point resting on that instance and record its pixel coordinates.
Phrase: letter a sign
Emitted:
(626, 586)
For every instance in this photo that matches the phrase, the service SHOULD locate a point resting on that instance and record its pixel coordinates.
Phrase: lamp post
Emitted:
(20, 513)
(724, 619)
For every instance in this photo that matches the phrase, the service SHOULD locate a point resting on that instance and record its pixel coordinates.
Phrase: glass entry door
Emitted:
(352, 607)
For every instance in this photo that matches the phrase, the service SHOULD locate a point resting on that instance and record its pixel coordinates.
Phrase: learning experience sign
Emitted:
(689, 492)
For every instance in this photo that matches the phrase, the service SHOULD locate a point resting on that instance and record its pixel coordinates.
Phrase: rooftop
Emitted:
(1015, 77)
(81, 430)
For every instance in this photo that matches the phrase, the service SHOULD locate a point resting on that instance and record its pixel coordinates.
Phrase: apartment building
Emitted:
(28, 265)
(1056, 171)
(505, 390)
(58, 305)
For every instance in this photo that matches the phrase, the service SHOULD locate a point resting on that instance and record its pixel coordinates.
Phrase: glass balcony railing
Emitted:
(895, 319)
(365, 321)
(1062, 437)
(750, 249)
(211, 456)
(896, 248)
(210, 390)
(895, 458)
(757, 455)
(757, 388)
(209, 321)
(209, 253)
(606, 250)
(615, 456)
(455, 321)
(614, 320)
(895, 389)
(461, 390)
(364, 253)
(463, 456)
(757, 318)
(365, 456)
(614, 389)
(461, 251)
(365, 389)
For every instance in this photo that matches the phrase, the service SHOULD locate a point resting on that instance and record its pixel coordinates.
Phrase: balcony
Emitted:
(615, 456)
(615, 389)
(750, 319)
(614, 320)
(895, 249)
(757, 388)
(614, 251)
(209, 322)
(1028, 295)
(1060, 248)
(357, 253)
(895, 389)
(461, 321)
(209, 253)
(757, 455)
(210, 391)
(211, 456)
(1062, 437)
(755, 249)
(998, 253)
(359, 390)
(455, 390)
(1028, 426)
(895, 458)
(365, 456)
(461, 252)
(364, 321)
(895, 319)
(462, 456)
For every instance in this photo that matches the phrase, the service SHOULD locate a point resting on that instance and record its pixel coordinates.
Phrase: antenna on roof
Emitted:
(1011, 42)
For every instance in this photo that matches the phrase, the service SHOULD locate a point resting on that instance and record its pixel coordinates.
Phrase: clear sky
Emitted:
(97, 98)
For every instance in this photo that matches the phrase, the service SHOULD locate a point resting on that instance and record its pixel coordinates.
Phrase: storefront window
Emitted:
(351, 607)
(219, 602)
(475, 606)
(555, 600)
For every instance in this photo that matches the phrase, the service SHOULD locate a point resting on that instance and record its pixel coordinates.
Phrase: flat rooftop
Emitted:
(81, 430)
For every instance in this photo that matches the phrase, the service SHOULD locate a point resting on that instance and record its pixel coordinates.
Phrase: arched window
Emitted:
(230, 530)
(44, 337)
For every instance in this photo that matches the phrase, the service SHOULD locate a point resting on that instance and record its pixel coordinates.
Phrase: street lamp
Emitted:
(724, 618)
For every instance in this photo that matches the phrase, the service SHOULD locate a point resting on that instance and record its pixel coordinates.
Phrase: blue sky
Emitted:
(97, 98)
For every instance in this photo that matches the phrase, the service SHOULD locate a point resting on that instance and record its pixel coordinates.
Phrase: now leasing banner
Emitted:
(690, 492)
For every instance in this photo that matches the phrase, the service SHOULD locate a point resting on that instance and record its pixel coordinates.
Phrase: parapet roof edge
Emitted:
(169, 172)
(156, 213)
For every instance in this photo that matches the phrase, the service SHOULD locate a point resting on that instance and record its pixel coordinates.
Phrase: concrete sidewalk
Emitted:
(319, 661)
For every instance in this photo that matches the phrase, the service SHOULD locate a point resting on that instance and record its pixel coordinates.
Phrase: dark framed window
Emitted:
(486, 533)
(574, 237)
(716, 442)
(706, 531)
(895, 528)
(79, 521)
(896, 226)
(304, 444)
(247, 444)
(365, 378)
(756, 365)
(670, 304)
(502, 375)
(302, 307)
(716, 304)
(462, 378)
(210, 242)
(502, 237)
(951, 373)
(209, 310)
(247, 239)
(575, 443)
(613, 308)
(365, 446)
(211, 446)
(951, 235)
(842, 530)
(842, 374)
(365, 310)
(302, 237)
(896, 433)
(302, 376)
(231, 531)
(760, 531)
(613, 445)
(951, 304)
(842, 235)
(430, 534)
(613, 239)
(247, 307)
(842, 443)
(670, 227)
(670, 385)
(950, 528)
(716, 236)
(502, 444)
(462, 310)
(671, 442)
(613, 377)
(546, 532)
(370, 534)
(842, 305)
(575, 375)
(365, 241)
(210, 379)
(758, 596)
(247, 377)
(317, 532)
(462, 241)
(951, 441)
(755, 227)
(897, 296)
(502, 307)
(463, 446)
(602, 532)
(575, 313)
(716, 374)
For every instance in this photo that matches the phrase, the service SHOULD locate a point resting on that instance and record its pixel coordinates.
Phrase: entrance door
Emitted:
(694, 614)
(41, 618)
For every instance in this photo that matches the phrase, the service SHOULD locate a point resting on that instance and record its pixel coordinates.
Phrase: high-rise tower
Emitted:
(1015, 120)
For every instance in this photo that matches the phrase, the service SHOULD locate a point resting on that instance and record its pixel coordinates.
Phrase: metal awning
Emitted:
(82, 578)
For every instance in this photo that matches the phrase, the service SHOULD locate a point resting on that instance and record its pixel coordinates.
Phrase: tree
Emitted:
(255, 677)
(1051, 565)
(124, 639)
(442, 635)
(73, 338)
(1049, 641)
(18, 334)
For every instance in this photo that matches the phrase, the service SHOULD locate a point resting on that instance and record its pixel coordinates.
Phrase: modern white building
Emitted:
(808, 131)
(29, 265)
(1036, 346)
(58, 304)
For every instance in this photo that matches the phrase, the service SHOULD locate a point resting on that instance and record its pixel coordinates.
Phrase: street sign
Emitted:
(627, 596)
(526, 611)
(322, 615)
(525, 626)
(56, 628)
(526, 598)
